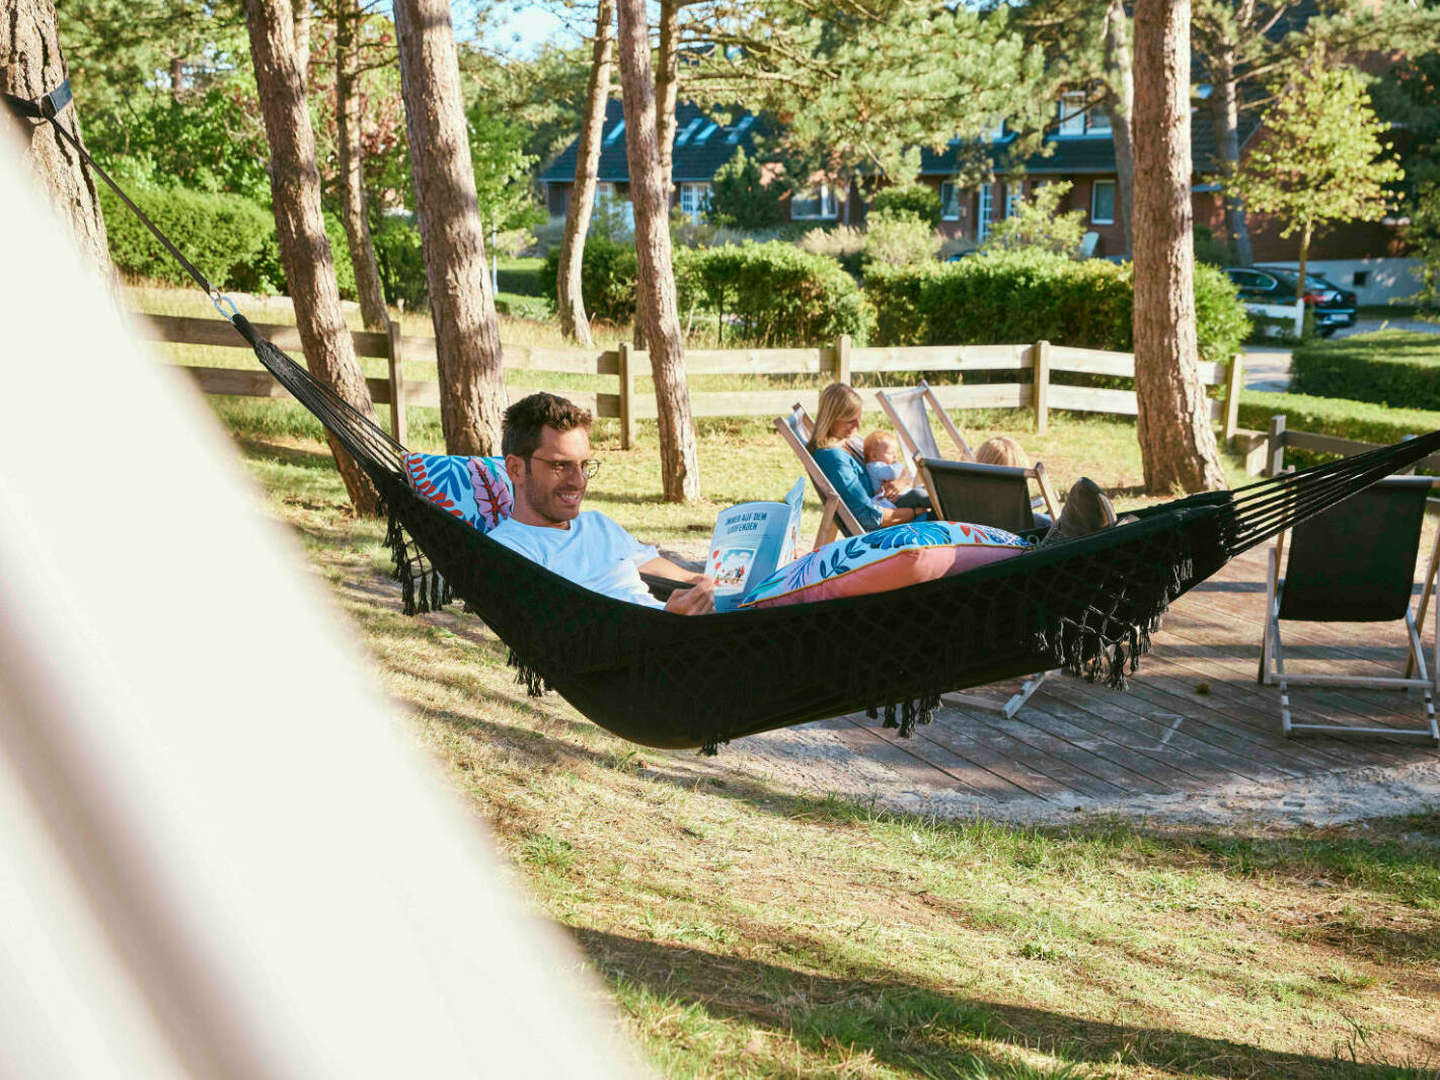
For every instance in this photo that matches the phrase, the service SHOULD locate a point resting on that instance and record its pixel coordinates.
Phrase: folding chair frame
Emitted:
(1272, 661)
(912, 448)
(834, 514)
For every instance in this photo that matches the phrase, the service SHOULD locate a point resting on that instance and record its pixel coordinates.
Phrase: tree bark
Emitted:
(574, 323)
(177, 77)
(667, 92)
(1306, 231)
(1177, 443)
(655, 295)
(352, 179)
(1225, 111)
(302, 39)
(1120, 75)
(462, 309)
(32, 65)
(300, 226)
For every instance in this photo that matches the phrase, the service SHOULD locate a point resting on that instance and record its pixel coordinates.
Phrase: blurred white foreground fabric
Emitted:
(220, 855)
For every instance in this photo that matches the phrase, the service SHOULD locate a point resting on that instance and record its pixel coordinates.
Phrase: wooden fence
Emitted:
(840, 361)
(1278, 439)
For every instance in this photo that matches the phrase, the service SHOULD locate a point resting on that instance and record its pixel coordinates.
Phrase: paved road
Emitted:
(1268, 367)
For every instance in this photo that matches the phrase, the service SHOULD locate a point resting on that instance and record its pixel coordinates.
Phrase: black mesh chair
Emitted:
(1354, 563)
(996, 495)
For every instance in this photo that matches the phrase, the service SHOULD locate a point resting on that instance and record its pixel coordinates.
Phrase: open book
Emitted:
(751, 541)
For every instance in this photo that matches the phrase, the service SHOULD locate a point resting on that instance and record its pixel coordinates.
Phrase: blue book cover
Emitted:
(751, 541)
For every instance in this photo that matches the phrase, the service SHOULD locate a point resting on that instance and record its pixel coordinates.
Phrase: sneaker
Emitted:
(1086, 510)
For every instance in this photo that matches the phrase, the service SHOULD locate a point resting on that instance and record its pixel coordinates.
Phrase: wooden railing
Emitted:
(840, 361)
(1279, 438)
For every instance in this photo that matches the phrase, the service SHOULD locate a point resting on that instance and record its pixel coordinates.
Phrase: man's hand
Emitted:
(699, 600)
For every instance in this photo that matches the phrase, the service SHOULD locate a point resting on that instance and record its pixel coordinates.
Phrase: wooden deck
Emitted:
(1193, 721)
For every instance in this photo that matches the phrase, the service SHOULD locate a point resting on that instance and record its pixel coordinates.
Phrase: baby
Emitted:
(883, 464)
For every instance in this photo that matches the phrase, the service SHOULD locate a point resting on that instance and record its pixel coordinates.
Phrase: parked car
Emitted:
(1333, 306)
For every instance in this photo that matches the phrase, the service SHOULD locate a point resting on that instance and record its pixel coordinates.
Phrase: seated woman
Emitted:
(837, 420)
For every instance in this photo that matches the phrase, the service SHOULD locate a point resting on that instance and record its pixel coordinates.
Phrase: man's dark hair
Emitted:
(520, 433)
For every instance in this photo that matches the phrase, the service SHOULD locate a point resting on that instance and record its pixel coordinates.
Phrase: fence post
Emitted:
(1234, 381)
(1040, 358)
(842, 358)
(398, 426)
(627, 398)
(1275, 447)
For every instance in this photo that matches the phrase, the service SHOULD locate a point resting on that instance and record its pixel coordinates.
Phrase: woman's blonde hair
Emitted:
(1002, 450)
(838, 401)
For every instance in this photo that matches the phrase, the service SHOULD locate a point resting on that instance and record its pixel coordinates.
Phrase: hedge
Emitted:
(229, 237)
(1363, 421)
(608, 271)
(775, 294)
(1023, 296)
(1388, 367)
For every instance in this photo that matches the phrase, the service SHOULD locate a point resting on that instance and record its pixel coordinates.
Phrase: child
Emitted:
(1002, 450)
(883, 464)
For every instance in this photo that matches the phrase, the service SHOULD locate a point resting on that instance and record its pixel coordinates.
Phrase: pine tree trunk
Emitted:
(32, 65)
(177, 77)
(1119, 65)
(574, 323)
(462, 309)
(1177, 443)
(302, 39)
(1225, 111)
(300, 226)
(655, 299)
(667, 92)
(352, 177)
(1306, 231)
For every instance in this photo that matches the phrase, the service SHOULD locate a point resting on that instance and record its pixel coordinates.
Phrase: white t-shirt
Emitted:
(593, 552)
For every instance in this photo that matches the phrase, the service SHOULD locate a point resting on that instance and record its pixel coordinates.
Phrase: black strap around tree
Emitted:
(47, 108)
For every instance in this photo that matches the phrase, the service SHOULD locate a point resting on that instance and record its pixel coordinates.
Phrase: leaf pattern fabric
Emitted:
(474, 489)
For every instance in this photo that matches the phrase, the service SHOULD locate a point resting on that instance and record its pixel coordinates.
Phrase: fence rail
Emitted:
(1280, 438)
(839, 360)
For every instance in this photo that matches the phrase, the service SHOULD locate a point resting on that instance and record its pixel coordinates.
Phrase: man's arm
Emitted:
(663, 567)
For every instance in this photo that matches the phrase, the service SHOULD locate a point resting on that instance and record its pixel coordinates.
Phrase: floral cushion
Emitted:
(883, 560)
(474, 489)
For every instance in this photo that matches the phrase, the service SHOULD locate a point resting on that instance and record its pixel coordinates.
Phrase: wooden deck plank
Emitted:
(976, 776)
(911, 767)
(994, 756)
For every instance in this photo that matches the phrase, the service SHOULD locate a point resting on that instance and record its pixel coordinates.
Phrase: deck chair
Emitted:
(909, 411)
(1354, 563)
(995, 495)
(835, 517)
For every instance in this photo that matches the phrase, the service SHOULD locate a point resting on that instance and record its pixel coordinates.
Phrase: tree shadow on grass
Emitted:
(925, 1031)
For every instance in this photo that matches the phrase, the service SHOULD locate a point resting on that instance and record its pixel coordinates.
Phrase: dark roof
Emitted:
(702, 145)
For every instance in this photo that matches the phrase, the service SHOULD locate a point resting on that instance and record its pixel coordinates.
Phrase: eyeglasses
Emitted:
(587, 468)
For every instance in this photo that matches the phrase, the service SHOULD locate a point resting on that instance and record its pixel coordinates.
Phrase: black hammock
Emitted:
(1087, 606)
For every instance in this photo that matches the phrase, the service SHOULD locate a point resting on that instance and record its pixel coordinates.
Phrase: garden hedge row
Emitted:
(1364, 421)
(229, 237)
(1388, 367)
(1025, 296)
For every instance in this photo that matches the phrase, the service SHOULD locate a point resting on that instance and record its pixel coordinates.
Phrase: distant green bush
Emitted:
(1388, 367)
(1029, 295)
(917, 200)
(774, 294)
(230, 238)
(608, 273)
(400, 261)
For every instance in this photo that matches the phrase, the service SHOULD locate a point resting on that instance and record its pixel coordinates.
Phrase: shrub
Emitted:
(1039, 223)
(229, 237)
(1028, 295)
(743, 198)
(1388, 367)
(776, 294)
(917, 200)
(400, 260)
(844, 243)
(608, 272)
(1364, 421)
(899, 238)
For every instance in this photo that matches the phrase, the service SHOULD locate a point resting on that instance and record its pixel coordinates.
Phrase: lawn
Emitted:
(748, 931)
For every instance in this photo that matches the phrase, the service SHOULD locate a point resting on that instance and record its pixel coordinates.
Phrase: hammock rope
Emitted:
(1088, 605)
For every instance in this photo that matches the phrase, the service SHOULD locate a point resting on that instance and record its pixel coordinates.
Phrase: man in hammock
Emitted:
(546, 443)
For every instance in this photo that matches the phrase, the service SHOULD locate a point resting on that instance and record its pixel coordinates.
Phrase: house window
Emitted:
(1014, 196)
(694, 200)
(1097, 122)
(987, 206)
(603, 191)
(815, 204)
(1360, 278)
(1102, 203)
(1072, 114)
(949, 202)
